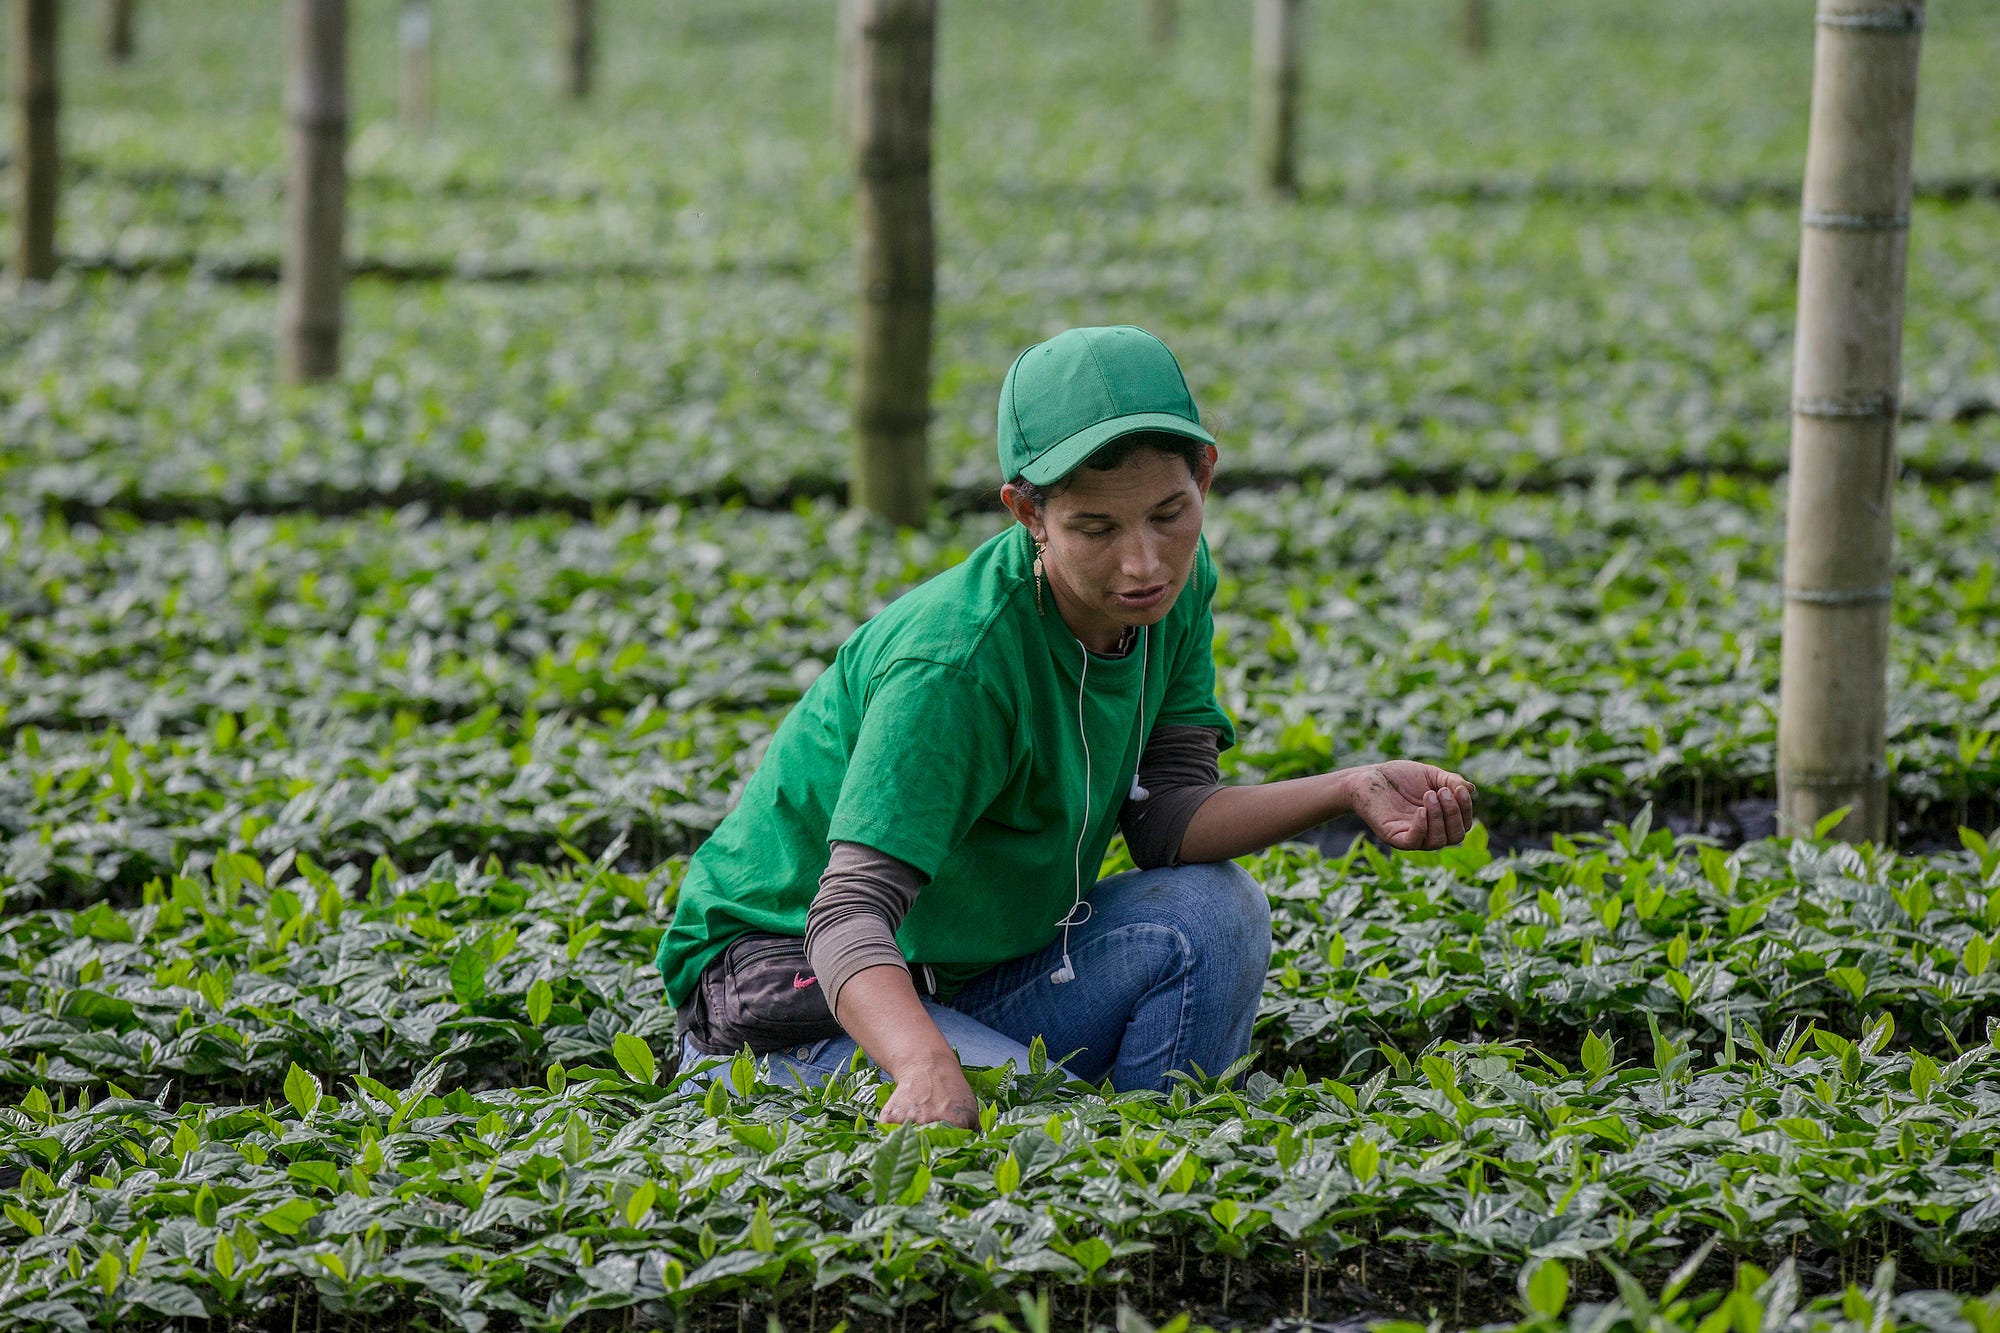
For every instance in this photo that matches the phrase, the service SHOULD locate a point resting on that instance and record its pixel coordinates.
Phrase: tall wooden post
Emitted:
(416, 41)
(894, 258)
(1475, 27)
(1838, 578)
(1161, 16)
(118, 31)
(315, 267)
(1274, 58)
(36, 145)
(577, 42)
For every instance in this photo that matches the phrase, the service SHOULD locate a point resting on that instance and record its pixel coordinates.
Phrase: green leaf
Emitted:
(1545, 1287)
(1091, 1253)
(468, 976)
(634, 1057)
(167, 1298)
(302, 1090)
(289, 1217)
(380, 1091)
(540, 998)
(1595, 1055)
(1978, 956)
(919, 1186)
(98, 1010)
(577, 1140)
(763, 1236)
(640, 1202)
(1007, 1175)
(1363, 1158)
(894, 1165)
(1878, 1035)
(1826, 824)
(1923, 1073)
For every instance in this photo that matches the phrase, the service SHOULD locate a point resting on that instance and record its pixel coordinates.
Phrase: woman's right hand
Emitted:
(934, 1092)
(880, 1009)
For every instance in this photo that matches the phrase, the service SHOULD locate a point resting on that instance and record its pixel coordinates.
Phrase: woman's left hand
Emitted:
(1414, 807)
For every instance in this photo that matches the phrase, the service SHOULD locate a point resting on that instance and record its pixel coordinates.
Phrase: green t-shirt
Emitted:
(946, 734)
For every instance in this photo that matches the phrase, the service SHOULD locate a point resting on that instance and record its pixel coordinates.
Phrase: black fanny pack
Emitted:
(760, 992)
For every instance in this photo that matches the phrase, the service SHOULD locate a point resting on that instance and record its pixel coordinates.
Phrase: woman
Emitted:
(910, 868)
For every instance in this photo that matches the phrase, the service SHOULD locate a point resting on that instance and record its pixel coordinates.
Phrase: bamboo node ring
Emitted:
(1841, 596)
(1901, 19)
(1822, 220)
(1866, 405)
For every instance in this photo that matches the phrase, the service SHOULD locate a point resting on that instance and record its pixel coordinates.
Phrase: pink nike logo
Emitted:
(800, 983)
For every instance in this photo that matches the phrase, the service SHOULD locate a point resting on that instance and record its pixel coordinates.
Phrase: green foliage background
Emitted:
(351, 740)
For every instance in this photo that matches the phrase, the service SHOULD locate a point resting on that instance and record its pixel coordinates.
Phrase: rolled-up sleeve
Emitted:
(862, 898)
(1179, 771)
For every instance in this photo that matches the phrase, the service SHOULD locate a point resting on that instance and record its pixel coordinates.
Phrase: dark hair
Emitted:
(1114, 456)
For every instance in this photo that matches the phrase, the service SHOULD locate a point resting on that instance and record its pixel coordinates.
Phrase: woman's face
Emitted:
(1121, 544)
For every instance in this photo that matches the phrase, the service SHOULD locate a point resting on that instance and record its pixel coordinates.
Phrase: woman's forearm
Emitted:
(880, 1009)
(1237, 821)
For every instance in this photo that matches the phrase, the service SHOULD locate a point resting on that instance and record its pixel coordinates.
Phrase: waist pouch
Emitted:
(761, 993)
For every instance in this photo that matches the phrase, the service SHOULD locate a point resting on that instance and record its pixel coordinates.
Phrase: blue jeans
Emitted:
(1169, 969)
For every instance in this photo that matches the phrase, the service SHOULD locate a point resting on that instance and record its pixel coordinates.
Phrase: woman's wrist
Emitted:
(880, 1009)
(1342, 788)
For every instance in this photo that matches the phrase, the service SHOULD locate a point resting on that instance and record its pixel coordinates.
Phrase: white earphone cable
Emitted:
(1067, 972)
(1139, 793)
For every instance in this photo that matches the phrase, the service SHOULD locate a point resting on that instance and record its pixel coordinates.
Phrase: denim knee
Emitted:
(1217, 908)
(1226, 907)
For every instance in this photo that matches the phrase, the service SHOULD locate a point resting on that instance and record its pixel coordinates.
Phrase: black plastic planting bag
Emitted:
(761, 993)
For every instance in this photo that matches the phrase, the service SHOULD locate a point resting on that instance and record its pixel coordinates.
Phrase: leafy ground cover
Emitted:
(336, 830)
(1438, 345)
(1378, 332)
(394, 686)
(237, 1104)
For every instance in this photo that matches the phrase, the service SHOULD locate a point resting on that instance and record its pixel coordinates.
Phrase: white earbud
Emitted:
(1063, 973)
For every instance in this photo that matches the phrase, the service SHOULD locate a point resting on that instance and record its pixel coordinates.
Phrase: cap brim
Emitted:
(1059, 460)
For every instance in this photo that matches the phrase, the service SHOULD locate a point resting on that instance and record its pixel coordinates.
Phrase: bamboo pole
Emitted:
(1274, 60)
(577, 20)
(1832, 704)
(118, 31)
(1161, 20)
(416, 41)
(1475, 27)
(37, 90)
(894, 258)
(315, 269)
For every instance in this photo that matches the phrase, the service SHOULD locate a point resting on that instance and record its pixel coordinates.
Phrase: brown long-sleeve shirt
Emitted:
(864, 893)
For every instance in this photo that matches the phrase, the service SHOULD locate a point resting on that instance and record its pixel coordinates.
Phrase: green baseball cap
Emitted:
(1066, 398)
